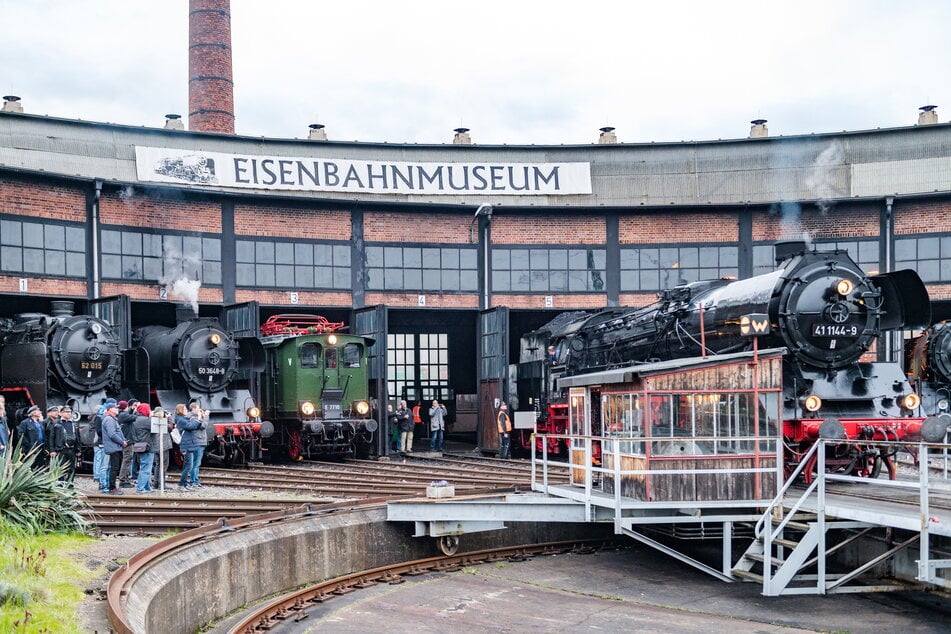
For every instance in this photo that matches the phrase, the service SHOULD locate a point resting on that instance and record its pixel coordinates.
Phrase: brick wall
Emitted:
(637, 299)
(433, 300)
(839, 223)
(550, 229)
(922, 217)
(150, 292)
(413, 227)
(305, 299)
(42, 201)
(288, 222)
(141, 211)
(676, 228)
(43, 286)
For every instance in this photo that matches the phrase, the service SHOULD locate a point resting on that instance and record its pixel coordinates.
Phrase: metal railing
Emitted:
(611, 446)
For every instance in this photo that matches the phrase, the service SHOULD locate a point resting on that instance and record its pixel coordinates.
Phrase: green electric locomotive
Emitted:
(314, 389)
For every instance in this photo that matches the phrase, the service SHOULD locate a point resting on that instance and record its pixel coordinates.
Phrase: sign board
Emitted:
(357, 176)
(754, 324)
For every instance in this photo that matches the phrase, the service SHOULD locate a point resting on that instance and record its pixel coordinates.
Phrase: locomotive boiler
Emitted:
(928, 363)
(58, 359)
(820, 306)
(199, 361)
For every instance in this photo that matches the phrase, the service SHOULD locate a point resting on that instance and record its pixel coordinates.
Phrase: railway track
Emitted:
(294, 605)
(154, 515)
(314, 483)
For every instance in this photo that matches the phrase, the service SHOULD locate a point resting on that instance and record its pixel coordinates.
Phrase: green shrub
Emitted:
(13, 594)
(35, 500)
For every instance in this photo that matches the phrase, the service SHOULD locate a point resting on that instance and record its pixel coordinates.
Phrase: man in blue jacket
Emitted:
(113, 442)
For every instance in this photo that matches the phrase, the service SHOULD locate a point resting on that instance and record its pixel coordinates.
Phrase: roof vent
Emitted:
(174, 122)
(607, 135)
(462, 137)
(11, 103)
(318, 132)
(759, 129)
(927, 115)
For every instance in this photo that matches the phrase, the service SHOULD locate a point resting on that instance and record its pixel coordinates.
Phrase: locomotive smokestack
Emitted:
(62, 309)
(210, 81)
(789, 248)
(184, 312)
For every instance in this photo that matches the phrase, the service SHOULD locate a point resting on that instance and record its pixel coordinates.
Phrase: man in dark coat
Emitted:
(33, 436)
(73, 451)
(56, 437)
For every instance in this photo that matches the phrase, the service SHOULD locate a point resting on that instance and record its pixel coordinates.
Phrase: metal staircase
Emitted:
(791, 545)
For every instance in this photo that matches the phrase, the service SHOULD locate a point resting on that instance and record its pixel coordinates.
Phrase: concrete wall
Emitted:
(209, 579)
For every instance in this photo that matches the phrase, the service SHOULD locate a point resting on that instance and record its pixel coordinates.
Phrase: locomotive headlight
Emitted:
(943, 405)
(95, 328)
(332, 340)
(253, 412)
(812, 403)
(307, 408)
(844, 287)
(362, 408)
(214, 339)
(910, 401)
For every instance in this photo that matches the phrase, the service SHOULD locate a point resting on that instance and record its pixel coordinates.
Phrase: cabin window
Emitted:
(351, 355)
(330, 358)
(309, 355)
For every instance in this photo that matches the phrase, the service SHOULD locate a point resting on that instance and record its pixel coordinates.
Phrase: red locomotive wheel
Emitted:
(294, 444)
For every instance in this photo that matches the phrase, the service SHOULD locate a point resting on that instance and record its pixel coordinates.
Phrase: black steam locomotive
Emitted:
(928, 362)
(58, 359)
(820, 306)
(200, 361)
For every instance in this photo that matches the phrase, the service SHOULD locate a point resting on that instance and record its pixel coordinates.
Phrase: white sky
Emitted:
(515, 71)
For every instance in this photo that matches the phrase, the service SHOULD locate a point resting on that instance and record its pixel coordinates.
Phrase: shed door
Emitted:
(493, 372)
(372, 322)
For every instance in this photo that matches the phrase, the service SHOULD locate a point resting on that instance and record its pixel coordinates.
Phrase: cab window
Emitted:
(309, 355)
(331, 359)
(351, 355)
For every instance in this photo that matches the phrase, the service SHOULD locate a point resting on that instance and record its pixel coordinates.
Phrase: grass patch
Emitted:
(42, 581)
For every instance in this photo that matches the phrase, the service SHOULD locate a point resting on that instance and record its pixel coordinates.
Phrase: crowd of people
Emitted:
(130, 448)
(403, 422)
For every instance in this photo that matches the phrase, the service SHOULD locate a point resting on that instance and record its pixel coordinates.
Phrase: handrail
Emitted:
(758, 529)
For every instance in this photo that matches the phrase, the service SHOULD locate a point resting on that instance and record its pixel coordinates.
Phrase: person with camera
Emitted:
(201, 441)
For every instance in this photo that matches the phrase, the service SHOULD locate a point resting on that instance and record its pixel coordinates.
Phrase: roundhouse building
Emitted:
(444, 253)
(414, 242)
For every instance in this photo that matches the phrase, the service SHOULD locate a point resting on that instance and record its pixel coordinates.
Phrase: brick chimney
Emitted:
(461, 137)
(11, 103)
(318, 132)
(758, 129)
(927, 115)
(210, 81)
(607, 136)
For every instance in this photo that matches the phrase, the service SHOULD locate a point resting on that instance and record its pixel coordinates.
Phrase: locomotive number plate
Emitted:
(211, 371)
(833, 330)
(91, 365)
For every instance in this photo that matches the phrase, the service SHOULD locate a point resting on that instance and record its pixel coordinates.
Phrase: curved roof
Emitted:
(912, 160)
